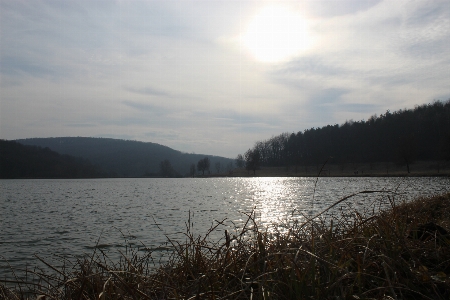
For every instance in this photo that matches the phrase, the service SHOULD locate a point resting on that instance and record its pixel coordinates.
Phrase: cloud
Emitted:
(148, 91)
(174, 73)
(15, 66)
(388, 45)
(335, 8)
(78, 125)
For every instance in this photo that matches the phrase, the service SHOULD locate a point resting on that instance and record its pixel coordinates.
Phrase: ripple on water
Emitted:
(69, 217)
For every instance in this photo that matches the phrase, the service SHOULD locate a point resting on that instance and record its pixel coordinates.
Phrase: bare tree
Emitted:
(252, 160)
(192, 170)
(407, 150)
(166, 169)
(218, 167)
(240, 161)
(203, 165)
(230, 167)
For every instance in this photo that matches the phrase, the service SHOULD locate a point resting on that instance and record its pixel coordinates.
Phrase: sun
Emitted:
(276, 33)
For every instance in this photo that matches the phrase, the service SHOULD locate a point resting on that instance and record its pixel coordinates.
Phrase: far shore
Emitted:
(418, 169)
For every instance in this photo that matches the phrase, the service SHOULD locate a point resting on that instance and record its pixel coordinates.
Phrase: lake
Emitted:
(70, 217)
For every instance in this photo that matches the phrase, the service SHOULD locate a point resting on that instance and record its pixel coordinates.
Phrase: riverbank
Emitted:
(385, 169)
(401, 253)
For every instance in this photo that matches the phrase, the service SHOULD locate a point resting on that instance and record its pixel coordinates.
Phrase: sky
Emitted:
(214, 77)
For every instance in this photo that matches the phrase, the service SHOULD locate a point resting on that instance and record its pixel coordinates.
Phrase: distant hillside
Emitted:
(19, 161)
(125, 158)
(401, 137)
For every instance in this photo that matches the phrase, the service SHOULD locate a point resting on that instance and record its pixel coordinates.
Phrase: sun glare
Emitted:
(277, 33)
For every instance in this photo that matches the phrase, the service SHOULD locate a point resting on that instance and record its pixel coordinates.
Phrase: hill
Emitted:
(125, 158)
(19, 161)
(401, 138)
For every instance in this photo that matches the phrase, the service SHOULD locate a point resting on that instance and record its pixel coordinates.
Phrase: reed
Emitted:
(400, 253)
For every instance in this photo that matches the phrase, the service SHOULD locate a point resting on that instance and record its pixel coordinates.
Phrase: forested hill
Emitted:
(403, 136)
(19, 161)
(126, 158)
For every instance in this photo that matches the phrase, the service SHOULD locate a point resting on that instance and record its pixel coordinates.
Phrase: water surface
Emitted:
(71, 217)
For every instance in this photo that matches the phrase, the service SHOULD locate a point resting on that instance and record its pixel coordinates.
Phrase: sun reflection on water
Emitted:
(66, 217)
(276, 202)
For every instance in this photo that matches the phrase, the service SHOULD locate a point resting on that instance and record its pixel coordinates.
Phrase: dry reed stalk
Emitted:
(387, 255)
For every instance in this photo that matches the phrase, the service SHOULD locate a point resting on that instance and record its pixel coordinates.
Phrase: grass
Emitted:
(400, 253)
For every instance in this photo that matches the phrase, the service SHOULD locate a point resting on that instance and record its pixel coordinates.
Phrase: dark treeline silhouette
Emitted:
(166, 170)
(403, 136)
(19, 161)
(125, 158)
(252, 160)
(203, 165)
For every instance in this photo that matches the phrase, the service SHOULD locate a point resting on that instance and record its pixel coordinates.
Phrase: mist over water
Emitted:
(70, 217)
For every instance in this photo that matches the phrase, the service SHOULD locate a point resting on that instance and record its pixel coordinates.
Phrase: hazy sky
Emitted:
(214, 76)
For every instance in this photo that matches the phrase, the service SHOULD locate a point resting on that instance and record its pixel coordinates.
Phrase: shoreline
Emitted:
(356, 170)
(419, 169)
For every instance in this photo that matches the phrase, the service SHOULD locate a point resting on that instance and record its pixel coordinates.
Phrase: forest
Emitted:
(20, 161)
(125, 158)
(400, 137)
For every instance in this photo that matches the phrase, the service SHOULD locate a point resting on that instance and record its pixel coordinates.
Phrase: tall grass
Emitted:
(400, 253)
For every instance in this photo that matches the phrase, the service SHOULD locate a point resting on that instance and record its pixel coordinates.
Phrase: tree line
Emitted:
(125, 158)
(403, 136)
(20, 161)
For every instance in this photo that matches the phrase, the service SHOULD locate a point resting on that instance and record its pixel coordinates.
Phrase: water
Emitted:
(71, 217)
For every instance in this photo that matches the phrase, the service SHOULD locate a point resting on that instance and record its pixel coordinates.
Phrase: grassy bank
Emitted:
(401, 253)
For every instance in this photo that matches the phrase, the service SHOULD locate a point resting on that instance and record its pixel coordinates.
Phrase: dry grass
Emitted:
(401, 253)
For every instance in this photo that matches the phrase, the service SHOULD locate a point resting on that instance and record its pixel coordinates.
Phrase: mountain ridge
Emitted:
(124, 158)
(30, 161)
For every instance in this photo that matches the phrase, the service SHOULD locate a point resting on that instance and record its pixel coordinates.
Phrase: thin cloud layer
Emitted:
(177, 72)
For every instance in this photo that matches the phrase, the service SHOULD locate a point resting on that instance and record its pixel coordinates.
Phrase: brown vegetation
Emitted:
(401, 253)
